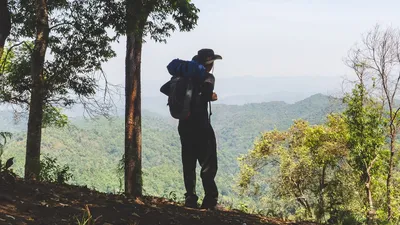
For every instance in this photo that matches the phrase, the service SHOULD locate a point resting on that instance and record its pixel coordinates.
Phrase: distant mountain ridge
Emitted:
(238, 91)
(260, 86)
(241, 90)
(160, 108)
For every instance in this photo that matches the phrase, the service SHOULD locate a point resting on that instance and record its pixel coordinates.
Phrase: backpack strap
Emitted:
(209, 117)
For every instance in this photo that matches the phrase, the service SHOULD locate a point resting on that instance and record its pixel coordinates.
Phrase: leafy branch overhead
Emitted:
(162, 17)
(78, 42)
(57, 50)
(183, 13)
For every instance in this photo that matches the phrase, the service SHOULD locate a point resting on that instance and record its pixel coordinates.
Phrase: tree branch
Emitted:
(6, 57)
(61, 24)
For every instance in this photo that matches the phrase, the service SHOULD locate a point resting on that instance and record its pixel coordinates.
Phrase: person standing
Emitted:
(198, 138)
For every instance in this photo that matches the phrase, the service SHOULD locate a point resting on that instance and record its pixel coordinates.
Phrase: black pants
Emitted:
(199, 144)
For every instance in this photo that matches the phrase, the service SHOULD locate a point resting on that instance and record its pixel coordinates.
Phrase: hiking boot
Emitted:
(216, 207)
(211, 204)
(191, 202)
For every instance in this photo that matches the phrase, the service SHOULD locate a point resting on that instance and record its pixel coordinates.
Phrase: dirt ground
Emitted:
(50, 204)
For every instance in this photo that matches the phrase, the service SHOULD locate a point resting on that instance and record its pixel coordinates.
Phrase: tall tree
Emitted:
(379, 54)
(145, 17)
(366, 124)
(32, 160)
(5, 24)
(75, 33)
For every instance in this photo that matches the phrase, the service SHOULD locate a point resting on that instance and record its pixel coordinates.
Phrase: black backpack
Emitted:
(180, 89)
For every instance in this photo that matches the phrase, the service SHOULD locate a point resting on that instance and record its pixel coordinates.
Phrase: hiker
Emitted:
(198, 139)
(196, 133)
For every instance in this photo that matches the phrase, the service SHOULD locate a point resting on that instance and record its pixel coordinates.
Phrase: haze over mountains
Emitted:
(250, 89)
(260, 86)
(237, 91)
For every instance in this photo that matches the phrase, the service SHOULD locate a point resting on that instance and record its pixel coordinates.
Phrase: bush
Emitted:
(50, 171)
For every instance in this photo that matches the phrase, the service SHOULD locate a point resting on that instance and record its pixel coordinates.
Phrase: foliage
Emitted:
(306, 159)
(367, 128)
(376, 62)
(334, 172)
(53, 116)
(77, 50)
(50, 171)
(74, 33)
(6, 175)
(161, 17)
(183, 13)
(3, 141)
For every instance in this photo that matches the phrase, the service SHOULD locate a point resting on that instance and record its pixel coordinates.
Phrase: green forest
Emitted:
(93, 148)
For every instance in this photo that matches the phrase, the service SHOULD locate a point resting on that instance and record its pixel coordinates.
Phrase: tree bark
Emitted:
(321, 202)
(303, 201)
(136, 19)
(389, 181)
(5, 24)
(32, 163)
(371, 214)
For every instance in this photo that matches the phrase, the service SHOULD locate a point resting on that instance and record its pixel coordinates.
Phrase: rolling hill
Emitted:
(93, 148)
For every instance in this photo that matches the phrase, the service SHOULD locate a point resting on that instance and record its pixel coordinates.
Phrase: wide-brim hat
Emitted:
(206, 56)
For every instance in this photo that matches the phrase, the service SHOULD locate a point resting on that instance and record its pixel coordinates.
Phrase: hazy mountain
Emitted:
(259, 86)
(247, 89)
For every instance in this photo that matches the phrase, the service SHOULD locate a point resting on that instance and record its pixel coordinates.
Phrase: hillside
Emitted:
(92, 149)
(35, 203)
(238, 126)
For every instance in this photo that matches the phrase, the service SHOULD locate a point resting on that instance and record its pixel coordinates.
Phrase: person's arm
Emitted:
(207, 88)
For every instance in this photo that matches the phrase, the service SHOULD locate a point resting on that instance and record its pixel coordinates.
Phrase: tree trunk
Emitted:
(371, 214)
(321, 203)
(133, 129)
(32, 164)
(5, 24)
(393, 135)
(303, 201)
(306, 205)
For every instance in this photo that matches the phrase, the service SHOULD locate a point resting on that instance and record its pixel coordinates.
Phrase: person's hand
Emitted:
(214, 97)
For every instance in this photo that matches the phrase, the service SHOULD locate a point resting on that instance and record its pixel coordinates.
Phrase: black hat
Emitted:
(206, 56)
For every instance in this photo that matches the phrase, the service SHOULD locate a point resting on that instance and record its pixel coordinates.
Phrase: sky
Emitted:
(267, 37)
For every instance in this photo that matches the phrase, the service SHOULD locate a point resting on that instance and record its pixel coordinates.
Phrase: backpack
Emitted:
(180, 88)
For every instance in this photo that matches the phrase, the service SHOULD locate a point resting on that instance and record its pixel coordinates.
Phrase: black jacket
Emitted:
(204, 91)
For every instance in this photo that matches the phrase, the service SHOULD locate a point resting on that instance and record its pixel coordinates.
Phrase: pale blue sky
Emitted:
(267, 37)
